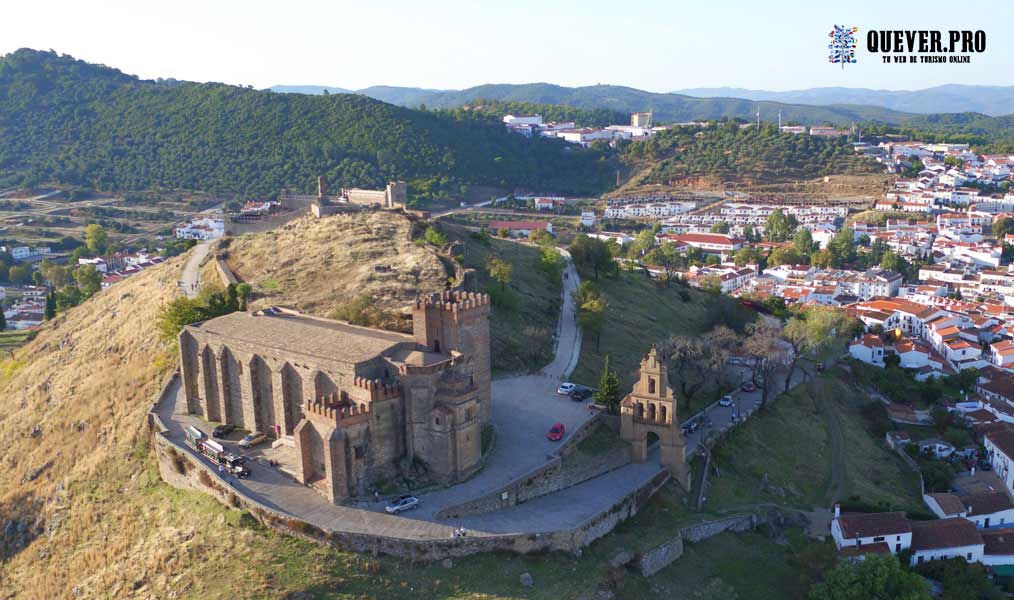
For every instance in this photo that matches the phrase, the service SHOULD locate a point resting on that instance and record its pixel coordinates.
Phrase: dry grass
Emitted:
(317, 265)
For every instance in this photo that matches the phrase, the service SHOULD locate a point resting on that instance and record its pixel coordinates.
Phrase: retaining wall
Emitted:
(180, 468)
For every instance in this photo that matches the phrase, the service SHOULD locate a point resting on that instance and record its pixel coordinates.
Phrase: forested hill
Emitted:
(64, 120)
(667, 107)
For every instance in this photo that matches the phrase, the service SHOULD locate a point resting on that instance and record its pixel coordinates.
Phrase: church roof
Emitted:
(294, 333)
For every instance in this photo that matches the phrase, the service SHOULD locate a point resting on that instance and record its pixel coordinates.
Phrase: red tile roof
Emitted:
(944, 533)
(857, 525)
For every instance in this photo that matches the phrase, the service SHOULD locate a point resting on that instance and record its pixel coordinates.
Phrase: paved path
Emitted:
(190, 279)
(568, 335)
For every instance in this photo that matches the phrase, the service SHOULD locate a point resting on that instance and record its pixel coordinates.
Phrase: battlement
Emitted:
(337, 414)
(377, 388)
(453, 301)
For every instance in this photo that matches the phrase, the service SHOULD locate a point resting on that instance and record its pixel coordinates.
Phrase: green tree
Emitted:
(802, 241)
(892, 261)
(784, 256)
(643, 242)
(96, 238)
(842, 247)
(590, 254)
(608, 394)
(879, 577)
(811, 333)
(88, 279)
(434, 237)
(1002, 227)
(19, 275)
(3, 320)
(747, 255)
(243, 290)
(750, 234)
(50, 306)
(503, 232)
(671, 261)
(176, 315)
(501, 271)
(722, 227)
(779, 226)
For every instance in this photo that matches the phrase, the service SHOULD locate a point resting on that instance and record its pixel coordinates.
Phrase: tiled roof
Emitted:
(949, 503)
(944, 533)
(987, 503)
(856, 525)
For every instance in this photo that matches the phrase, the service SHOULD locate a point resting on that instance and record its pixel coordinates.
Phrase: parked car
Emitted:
(222, 430)
(566, 389)
(555, 432)
(691, 427)
(726, 401)
(580, 395)
(234, 460)
(748, 386)
(239, 470)
(252, 439)
(404, 503)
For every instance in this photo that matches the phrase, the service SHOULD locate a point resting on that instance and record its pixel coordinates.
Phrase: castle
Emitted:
(355, 402)
(395, 195)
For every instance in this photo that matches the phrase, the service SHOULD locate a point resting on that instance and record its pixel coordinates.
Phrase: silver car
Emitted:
(403, 503)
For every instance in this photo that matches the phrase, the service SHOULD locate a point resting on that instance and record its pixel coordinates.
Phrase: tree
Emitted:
(750, 234)
(811, 333)
(1002, 227)
(892, 261)
(591, 254)
(3, 320)
(722, 227)
(842, 247)
(591, 307)
(88, 279)
(667, 257)
(243, 290)
(784, 256)
(50, 306)
(764, 346)
(503, 232)
(176, 315)
(878, 576)
(803, 241)
(698, 362)
(643, 242)
(748, 255)
(550, 262)
(19, 275)
(501, 271)
(608, 394)
(779, 226)
(434, 237)
(541, 237)
(96, 238)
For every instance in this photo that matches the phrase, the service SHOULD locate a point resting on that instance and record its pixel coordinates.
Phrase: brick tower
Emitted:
(458, 322)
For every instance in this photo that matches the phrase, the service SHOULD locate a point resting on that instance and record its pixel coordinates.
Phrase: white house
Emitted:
(869, 349)
(945, 538)
(512, 120)
(1001, 353)
(945, 505)
(999, 448)
(989, 509)
(587, 218)
(891, 530)
(201, 229)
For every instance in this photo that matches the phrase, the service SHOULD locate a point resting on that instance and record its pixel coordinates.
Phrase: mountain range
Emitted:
(952, 98)
(837, 105)
(667, 107)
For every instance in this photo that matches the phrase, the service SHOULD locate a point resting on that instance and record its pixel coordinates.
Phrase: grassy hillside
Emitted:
(667, 107)
(641, 311)
(63, 120)
(320, 265)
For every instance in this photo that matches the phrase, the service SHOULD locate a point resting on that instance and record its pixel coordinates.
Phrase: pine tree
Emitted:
(608, 394)
(50, 306)
(3, 320)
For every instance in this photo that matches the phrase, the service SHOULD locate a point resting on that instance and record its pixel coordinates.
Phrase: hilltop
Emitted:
(67, 121)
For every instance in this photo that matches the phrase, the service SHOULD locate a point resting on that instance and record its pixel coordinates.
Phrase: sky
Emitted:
(657, 45)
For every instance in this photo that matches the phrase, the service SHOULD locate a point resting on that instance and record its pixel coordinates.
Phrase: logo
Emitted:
(842, 48)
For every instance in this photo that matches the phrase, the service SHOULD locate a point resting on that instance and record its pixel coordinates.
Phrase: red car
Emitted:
(555, 433)
(748, 387)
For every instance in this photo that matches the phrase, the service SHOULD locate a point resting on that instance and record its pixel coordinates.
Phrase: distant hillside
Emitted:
(952, 98)
(63, 120)
(308, 89)
(729, 153)
(667, 107)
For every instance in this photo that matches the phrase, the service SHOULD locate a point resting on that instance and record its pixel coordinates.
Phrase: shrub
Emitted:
(178, 462)
(435, 237)
(204, 478)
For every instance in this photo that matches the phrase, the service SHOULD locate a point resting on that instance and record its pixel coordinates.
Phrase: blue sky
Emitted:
(651, 44)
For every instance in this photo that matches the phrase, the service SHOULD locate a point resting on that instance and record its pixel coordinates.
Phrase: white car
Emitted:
(725, 401)
(565, 389)
(252, 440)
(403, 503)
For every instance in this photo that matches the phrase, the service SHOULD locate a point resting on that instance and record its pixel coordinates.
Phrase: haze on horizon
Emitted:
(452, 44)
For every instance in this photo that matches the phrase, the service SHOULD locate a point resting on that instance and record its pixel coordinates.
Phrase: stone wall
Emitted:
(180, 468)
(660, 557)
(225, 274)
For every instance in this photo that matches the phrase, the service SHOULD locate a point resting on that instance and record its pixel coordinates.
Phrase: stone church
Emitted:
(355, 402)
